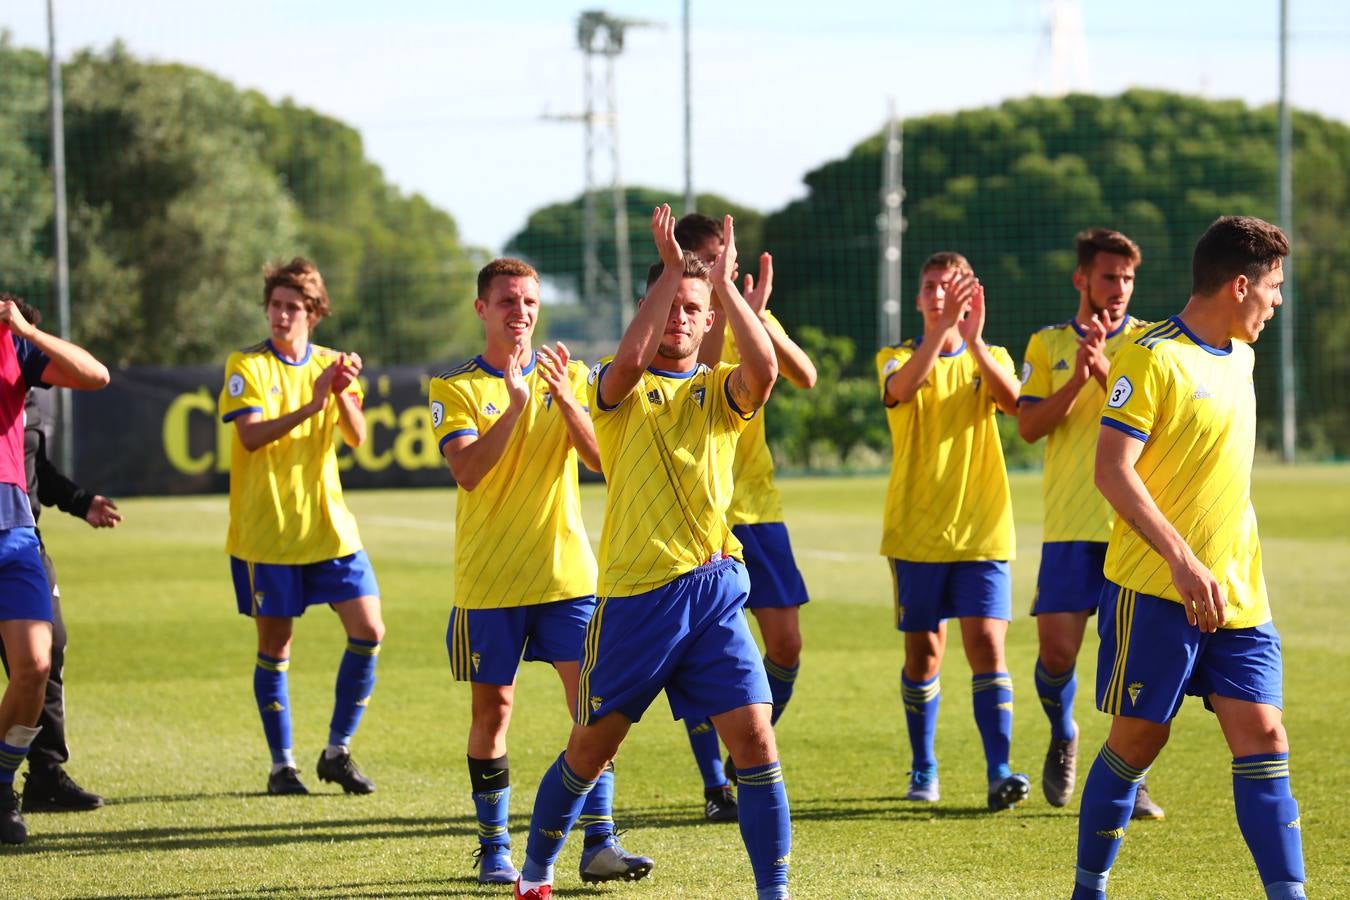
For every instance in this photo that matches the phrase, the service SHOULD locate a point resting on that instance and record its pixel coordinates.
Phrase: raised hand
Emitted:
(348, 367)
(11, 316)
(102, 513)
(724, 267)
(757, 295)
(323, 387)
(971, 325)
(552, 363)
(663, 232)
(516, 386)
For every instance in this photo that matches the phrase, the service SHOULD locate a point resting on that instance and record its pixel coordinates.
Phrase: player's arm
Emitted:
(1120, 484)
(1001, 381)
(472, 456)
(68, 365)
(1037, 417)
(255, 431)
(793, 362)
(751, 382)
(580, 430)
(55, 489)
(351, 416)
(640, 341)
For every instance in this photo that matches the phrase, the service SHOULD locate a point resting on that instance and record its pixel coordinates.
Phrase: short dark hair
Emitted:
(301, 276)
(27, 310)
(1233, 246)
(695, 228)
(516, 268)
(694, 268)
(1104, 240)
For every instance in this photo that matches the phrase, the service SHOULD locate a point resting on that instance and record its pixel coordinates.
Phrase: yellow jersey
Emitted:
(948, 498)
(667, 451)
(1074, 509)
(286, 503)
(519, 537)
(1194, 407)
(754, 496)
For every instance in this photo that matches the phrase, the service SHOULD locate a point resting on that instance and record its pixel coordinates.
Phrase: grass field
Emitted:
(162, 721)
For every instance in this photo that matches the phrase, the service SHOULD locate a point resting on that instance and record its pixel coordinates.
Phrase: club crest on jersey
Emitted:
(548, 400)
(1062, 365)
(437, 413)
(654, 396)
(491, 409)
(698, 394)
(1134, 689)
(976, 383)
(236, 385)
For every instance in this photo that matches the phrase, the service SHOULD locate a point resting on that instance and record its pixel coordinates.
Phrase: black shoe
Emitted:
(341, 769)
(12, 828)
(729, 770)
(721, 804)
(52, 790)
(286, 781)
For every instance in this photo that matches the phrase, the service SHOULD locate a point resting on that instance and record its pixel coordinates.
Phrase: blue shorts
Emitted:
(1070, 578)
(24, 591)
(927, 593)
(775, 581)
(487, 645)
(687, 637)
(275, 589)
(1151, 657)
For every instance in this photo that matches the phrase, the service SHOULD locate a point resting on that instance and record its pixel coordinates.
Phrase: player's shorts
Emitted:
(1151, 658)
(926, 593)
(775, 581)
(24, 590)
(487, 645)
(275, 589)
(1070, 578)
(688, 638)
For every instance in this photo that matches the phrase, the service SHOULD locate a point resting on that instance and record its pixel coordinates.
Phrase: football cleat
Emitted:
(493, 862)
(286, 781)
(55, 791)
(342, 769)
(721, 804)
(12, 827)
(923, 786)
(543, 892)
(608, 861)
(1060, 772)
(1008, 792)
(1145, 807)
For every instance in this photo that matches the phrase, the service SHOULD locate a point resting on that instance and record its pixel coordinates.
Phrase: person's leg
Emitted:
(780, 626)
(272, 693)
(355, 681)
(1060, 637)
(765, 817)
(921, 695)
(991, 690)
(28, 644)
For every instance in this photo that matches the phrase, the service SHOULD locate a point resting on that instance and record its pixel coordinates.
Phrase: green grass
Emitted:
(162, 722)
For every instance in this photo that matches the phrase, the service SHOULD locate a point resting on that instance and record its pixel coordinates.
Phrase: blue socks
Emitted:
(1057, 693)
(14, 749)
(781, 681)
(597, 812)
(707, 752)
(556, 807)
(1268, 816)
(270, 690)
(920, 699)
(490, 784)
(1104, 813)
(992, 695)
(355, 682)
(766, 826)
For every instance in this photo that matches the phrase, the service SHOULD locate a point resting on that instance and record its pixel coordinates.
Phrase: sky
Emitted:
(464, 103)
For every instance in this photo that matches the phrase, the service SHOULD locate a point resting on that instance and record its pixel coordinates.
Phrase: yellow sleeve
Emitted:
(593, 389)
(241, 392)
(1036, 382)
(1136, 389)
(889, 359)
(452, 412)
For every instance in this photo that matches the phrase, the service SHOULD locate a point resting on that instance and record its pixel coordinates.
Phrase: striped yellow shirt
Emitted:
(1074, 509)
(667, 451)
(286, 503)
(1194, 407)
(948, 498)
(519, 537)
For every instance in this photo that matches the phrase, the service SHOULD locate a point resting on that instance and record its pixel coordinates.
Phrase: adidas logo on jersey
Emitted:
(491, 410)
(1061, 365)
(275, 391)
(1201, 392)
(654, 396)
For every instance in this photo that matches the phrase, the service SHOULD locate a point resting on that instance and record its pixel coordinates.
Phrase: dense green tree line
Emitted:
(181, 187)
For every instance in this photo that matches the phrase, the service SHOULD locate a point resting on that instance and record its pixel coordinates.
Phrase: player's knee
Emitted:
(922, 667)
(492, 718)
(1058, 658)
(785, 649)
(30, 675)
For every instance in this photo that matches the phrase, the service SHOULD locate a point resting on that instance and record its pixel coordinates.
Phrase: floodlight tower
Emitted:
(602, 35)
(1065, 48)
